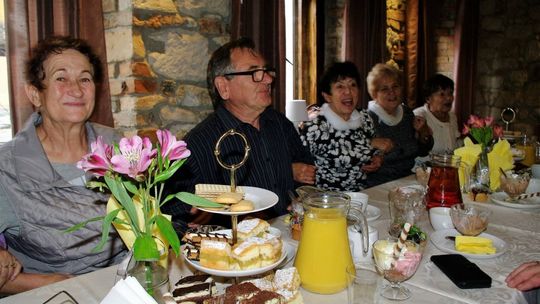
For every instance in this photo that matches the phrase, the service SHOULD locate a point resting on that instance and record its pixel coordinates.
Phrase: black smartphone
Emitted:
(464, 273)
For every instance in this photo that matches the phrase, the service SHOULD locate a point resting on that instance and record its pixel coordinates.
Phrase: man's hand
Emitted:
(525, 277)
(199, 217)
(9, 267)
(304, 173)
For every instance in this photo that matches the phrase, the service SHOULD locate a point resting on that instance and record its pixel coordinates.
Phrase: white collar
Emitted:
(388, 119)
(339, 123)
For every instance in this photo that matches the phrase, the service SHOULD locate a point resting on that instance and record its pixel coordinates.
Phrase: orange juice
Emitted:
(528, 154)
(323, 254)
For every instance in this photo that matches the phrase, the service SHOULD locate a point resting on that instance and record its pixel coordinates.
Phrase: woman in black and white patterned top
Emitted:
(340, 137)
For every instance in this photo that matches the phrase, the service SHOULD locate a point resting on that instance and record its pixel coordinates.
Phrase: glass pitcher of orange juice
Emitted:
(323, 253)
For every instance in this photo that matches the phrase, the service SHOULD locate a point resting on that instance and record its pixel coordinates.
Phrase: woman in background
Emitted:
(439, 96)
(410, 135)
(340, 137)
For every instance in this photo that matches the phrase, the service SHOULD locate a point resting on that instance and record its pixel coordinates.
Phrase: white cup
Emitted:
(440, 218)
(359, 199)
(535, 169)
(534, 185)
(356, 244)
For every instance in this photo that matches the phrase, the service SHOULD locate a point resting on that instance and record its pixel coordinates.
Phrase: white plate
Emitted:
(372, 213)
(287, 249)
(448, 246)
(262, 199)
(499, 198)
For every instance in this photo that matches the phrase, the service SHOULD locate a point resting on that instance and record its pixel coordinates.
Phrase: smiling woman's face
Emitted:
(343, 97)
(388, 94)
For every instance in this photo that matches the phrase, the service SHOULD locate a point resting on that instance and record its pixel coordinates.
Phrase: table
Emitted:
(519, 228)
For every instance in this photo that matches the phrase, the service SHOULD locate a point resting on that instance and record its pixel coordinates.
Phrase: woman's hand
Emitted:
(9, 267)
(374, 165)
(525, 277)
(304, 173)
(383, 144)
(422, 129)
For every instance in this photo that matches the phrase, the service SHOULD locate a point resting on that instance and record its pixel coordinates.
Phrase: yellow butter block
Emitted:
(475, 245)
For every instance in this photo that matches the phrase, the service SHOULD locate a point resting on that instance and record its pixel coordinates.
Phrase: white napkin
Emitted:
(128, 291)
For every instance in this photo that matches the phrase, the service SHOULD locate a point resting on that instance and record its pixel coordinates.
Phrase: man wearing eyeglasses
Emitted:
(240, 84)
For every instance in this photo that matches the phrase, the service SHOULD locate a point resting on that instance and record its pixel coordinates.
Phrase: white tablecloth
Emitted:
(520, 229)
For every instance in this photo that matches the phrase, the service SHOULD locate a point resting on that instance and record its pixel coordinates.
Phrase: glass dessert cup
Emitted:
(469, 220)
(396, 269)
(514, 184)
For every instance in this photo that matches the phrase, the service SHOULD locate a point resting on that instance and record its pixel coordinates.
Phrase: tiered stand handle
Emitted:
(232, 168)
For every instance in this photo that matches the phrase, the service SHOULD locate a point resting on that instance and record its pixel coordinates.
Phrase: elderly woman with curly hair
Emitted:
(410, 134)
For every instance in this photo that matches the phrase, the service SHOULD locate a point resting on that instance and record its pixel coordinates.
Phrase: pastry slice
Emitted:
(215, 255)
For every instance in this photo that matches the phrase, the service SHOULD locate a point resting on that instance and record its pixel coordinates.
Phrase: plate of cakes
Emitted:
(245, 200)
(258, 250)
(281, 286)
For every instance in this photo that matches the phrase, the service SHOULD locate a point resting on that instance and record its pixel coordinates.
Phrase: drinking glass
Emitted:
(407, 204)
(396, 268)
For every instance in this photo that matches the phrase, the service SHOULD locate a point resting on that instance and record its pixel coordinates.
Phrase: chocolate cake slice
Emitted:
(194, 289)
(241, 291)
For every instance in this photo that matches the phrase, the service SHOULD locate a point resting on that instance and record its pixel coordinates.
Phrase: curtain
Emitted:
(264, 22)
(465, 50)
(420, 63)
(27, 22)
(364, 39)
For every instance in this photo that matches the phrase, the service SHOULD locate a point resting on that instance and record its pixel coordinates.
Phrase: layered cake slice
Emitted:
(215, 255)
(242, 291)
(195, 238)
(193, 289)
(264, 297)
(247, 253)
(251, 227)
(287, 283)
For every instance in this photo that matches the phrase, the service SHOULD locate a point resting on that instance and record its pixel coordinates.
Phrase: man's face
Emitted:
(242, 92)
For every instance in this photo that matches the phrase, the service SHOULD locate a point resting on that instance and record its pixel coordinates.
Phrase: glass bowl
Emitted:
(514, 184)
(469, 220)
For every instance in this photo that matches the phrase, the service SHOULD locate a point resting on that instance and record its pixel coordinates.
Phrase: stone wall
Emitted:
(157, 53)
(508, 66)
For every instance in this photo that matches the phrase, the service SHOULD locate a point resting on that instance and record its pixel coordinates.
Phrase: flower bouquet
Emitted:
(482, 155)
(134, 171)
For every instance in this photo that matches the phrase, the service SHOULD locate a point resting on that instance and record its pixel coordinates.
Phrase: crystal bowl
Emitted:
(469, 220)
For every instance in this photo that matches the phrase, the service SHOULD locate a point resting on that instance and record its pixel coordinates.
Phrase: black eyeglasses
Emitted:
(257, 75)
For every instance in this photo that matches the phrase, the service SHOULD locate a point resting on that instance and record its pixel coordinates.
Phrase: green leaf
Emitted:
(165, 175)
(145, 248)
(195, 200)
(106, 227)
(130, 186)
(168, 198)
(80, 225)
(166, 228)
(119, 192)
(93, 184)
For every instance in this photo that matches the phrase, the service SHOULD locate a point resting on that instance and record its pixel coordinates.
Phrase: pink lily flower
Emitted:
(497, 131)
(135, 156)
(488, 120)
(98, 161)
(475, 122)
(466, 130)
(170, 147)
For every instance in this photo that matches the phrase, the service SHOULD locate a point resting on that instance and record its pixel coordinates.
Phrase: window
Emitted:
(5, 118)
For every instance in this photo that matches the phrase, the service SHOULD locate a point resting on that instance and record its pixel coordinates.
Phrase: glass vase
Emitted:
(479, 179)
(153, 277)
